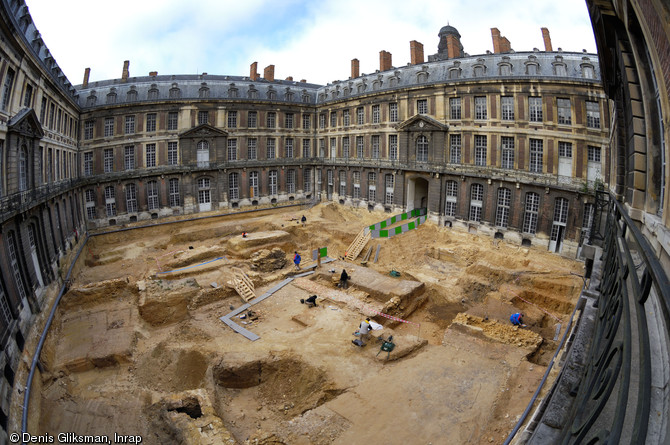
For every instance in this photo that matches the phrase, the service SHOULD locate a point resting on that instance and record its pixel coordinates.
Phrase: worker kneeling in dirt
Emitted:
(363, 332)
(310, 302)
(517, 319)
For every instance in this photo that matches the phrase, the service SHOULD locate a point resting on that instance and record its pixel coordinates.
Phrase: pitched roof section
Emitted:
(26, 122)
(203, 130)
(429, 124)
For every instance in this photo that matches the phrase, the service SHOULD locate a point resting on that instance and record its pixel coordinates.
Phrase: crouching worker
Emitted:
(363, 333)
(517, 319)
(310, 302)
(344, 277)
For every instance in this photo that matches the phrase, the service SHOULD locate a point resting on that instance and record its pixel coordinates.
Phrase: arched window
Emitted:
(152, 195)
(476, 200)
(110, 201)
(272, 183)
(422, 149)
(451, 198)
(530, 214)
(131, 198)
(174, 192)
(502, 212)
(204, 192)
(253, 184)
(233, 186)
(23, 168)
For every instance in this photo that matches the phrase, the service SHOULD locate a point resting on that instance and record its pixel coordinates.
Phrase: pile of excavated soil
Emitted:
(150, 346)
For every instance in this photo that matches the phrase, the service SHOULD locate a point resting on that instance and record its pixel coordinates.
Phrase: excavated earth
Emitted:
(137, 346)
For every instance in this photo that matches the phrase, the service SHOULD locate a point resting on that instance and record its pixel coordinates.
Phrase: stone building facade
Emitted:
(506, 144)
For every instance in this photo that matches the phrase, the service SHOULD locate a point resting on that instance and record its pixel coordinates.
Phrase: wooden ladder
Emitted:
(243, 285)
(358, 244)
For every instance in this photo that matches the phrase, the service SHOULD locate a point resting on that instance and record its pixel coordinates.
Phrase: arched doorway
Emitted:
(417, 193)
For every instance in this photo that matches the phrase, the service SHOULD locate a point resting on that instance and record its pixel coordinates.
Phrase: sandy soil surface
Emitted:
(138, 347)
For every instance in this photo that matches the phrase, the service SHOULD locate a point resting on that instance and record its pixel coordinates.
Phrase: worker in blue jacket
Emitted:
(296, 260)
(517, 319)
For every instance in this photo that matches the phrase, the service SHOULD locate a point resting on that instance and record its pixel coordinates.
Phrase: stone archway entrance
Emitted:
(417, 193)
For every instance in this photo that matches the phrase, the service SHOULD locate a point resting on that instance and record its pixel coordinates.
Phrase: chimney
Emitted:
(505, 46)
(454, 48)
(269, 73)
(125, 73)
(87, 73)
(495, 36)
(153, 73)
(416, 52)
(547, 39)
(354, 68)
(303, 80)
(253, 72)
(289, 78)
(384, 60)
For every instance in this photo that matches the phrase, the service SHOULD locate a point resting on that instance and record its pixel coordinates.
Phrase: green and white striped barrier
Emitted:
(380, 230)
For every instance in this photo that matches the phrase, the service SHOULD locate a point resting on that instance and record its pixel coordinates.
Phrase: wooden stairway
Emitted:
(358, 244)
(243, 285)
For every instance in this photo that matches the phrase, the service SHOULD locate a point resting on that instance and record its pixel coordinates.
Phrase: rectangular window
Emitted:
(507, 155)
(306, 148)
(535, 109)
(270, 151)
(322, 148)
(507, 108)
(129, 157)
(90, 204)
(375, 147)
(531, 210)
(451, 198)
(480, 150)
(288, 147)
(343, 183)
(271, 119)
(564, 111)
(288, 120)
(535, 161)
(203, 117)
(151, 122)
(88, 163)
(359, 147)
(322, 120)
(376, 117)
(333, 119)
(481, 111)
(28, 97)
(130, 125)
(109, 127)
(272, 182)
(422, 106)
(252, 149)
(565, 149)
(333, 148)
(172, 120)
(592, 115)
(233, 186)
(346, 118)
(357, 185)
(360, 116)
(232, 119)
(108, 157)
(345, 147)
(389, 183)
(502, 212)
(476, 201)
(151, 155)
(393, 147)
(232, 149)
(393, 112)
(7, 88)
(455, 148)
(88, 129)
(252, 118)
(593, 153)
(172, 153)
(455, 108)
(306, 122)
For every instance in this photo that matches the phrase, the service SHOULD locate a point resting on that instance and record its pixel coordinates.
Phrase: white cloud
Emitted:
(311, 40)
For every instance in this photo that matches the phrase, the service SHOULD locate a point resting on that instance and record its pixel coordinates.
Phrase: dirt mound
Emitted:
(268, 260)
(332, 212)
(508, 334)
(286, 383)
(170, 370)
(164, 302)
(101, 292)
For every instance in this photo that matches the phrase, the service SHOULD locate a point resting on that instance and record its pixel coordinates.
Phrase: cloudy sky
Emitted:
(312, 40)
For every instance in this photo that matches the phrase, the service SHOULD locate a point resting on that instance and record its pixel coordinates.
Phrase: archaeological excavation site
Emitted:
(190, 332)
